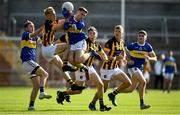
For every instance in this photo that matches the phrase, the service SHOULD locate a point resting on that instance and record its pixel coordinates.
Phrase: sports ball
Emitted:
(68, 5)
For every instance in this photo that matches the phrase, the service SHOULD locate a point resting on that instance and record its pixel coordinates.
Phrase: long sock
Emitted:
(83, 67)
(115, 92)
(70, 81)
(41, 89)
(93, 102)
(31, 104)
(141, 101)
(65, 62)
(101, 102)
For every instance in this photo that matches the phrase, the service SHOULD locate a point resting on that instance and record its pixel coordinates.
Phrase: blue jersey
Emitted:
(169, 64)
(74, 30)
(28, 47)
(137, 54)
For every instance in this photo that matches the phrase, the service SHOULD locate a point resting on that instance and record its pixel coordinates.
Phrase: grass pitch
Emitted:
(15, 100)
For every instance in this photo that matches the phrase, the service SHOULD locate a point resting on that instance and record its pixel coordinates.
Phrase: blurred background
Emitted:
(160, 18)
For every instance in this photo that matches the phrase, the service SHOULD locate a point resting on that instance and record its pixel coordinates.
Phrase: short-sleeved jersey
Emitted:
(115, 48)
(28, 47)
(74, 30)
(169, 64)
(137, 54)
(96, 47)
(48, 35)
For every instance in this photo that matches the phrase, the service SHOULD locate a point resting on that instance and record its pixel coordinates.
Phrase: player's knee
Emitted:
(129, 83)
(46, 74)
(143, 82)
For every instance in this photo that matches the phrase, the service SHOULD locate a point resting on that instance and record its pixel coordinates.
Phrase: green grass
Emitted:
(14, 100)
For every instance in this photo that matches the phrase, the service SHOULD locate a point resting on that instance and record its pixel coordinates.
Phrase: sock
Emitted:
(115, 92)
(84, 68)
(101, 102)
(141, 101)
(70, 81)
(93, 103)
(31, 104)
(41, 89)
(65, 62)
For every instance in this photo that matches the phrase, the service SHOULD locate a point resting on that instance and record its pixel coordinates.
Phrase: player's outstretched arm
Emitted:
(59, 26)
(37, 32)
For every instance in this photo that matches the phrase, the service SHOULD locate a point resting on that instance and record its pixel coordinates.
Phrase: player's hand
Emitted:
(66, 13)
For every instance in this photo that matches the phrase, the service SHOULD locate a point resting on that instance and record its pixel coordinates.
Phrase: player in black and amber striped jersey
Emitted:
(93, 76)
(114, 49)
(50, 50)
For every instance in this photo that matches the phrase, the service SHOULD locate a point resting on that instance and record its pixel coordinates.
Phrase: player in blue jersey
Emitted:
(170, 69)
(73, 26)
(37, 74)
(139, 52)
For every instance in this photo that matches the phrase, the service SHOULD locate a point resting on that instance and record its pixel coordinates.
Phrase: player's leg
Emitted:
(58, 62)
(94, 77)
(165, 84)
(171, 76)
(34, 92)
(126, 82)
(99, 93)
(60, 47)
(142, 86)
(43, 77)
(66, 66)
(65, 95)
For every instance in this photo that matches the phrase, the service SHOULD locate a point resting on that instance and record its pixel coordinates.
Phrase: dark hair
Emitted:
(27, 23)
(83, 9)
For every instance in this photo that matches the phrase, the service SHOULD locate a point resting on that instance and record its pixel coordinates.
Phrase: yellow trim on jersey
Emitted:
(138, 54)
(169, 63)
(28, 43)
(72, 30)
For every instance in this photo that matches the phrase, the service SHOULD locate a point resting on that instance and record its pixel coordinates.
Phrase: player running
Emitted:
(94, 77)
(139, 52)
(37, 74)
(114, 49)
(170, 69)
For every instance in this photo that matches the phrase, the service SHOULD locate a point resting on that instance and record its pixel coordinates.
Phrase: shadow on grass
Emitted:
(45, 110)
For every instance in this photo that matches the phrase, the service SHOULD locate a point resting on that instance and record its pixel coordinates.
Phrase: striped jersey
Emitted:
(114, 48)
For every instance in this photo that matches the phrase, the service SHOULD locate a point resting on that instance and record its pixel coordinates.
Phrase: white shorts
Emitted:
(80, 76)
(81, 45)
(168, 76)
(30, 67)
(147, 76)
(48, 52)
(134, 70)
(109, 74)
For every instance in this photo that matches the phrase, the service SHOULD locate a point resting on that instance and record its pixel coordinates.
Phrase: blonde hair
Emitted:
(49, 10)
(119, 27)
